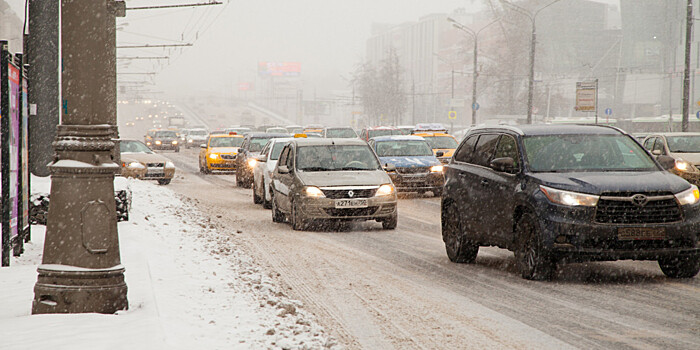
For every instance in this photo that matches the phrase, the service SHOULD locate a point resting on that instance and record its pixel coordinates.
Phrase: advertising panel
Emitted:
(13, 75)
(25, 156)
(279, 69)
(586, 96)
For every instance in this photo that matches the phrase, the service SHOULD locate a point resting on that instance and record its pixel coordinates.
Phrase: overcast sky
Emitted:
(327, 36)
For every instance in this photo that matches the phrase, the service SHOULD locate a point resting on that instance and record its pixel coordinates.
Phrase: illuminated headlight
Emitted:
(252, 162)
(135, 165)
(569, 198)
(169, 165)
(174, 142)
(189, 141)
(689, 196)
(158, 142)
(313, 191)
(384, 190)
(213, 156)
(436, 169)
(148, 143)
(682, 165)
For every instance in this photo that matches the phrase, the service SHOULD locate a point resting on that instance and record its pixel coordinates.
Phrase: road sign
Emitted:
(608, 111)
(475, 106)
(452, 115)
(697, 115)
(457, 102)
(586, 96)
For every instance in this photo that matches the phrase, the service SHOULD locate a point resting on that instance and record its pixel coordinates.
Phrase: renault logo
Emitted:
(351, 193)
(640, 200)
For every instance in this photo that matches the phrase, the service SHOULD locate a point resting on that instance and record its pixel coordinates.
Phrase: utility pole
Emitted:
(686, 72)
(81, 269)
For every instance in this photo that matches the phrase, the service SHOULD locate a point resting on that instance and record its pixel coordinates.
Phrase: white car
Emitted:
(263, 169)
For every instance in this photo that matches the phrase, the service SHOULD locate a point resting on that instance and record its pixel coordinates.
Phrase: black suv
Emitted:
(245, 160)
(561, 192)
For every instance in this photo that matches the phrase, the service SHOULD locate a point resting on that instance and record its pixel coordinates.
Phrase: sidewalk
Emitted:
(189, 288)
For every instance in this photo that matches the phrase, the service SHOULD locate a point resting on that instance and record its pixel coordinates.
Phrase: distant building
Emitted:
(10, 27)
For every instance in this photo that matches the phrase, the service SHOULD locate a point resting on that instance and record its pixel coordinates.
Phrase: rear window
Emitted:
(442, 142)
(403, 148)
(166, 134)
(383, 132)
(225, 142)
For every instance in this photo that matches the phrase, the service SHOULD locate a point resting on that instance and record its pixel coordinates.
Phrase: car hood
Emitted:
(692, 158)
(344, 178)
(143, 158)
(223, 150)
(623, 181)
(410, 162)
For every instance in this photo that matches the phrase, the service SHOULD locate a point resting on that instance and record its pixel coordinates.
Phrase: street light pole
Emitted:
(686, 71)
(533, 42)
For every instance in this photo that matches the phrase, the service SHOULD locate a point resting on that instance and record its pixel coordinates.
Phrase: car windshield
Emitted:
(442, 142)
(403, 148)
(257, 144)
(336, 158)
(276, 150)
(198, 133)
(133, 147)
(568, 153)
(383, 132)
(340, 133)
(277, 130)
(225, 142)
(684, 144)
(166, 134)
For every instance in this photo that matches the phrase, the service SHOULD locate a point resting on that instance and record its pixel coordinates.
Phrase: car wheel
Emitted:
(256, 199)
(177, 149)
(533, 261)
(164, 181)
(391, 222)
(458, 248)
(239, 178)
(266, 203)
(298, 223)
(277, 215)
(680, 267)
(437, 192)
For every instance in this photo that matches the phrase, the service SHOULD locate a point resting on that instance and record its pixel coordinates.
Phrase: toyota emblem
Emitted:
(640, 200)
(351, 193)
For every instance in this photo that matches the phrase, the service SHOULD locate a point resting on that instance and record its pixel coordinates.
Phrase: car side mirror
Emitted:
(283, 169)
(505, 164)
(439, 154)
(666, 162)
(203, 146)
(656, 152)
(262, 158)
(389, 167)
(240, 150)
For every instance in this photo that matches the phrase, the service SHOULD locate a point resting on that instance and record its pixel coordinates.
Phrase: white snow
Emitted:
(190, 287)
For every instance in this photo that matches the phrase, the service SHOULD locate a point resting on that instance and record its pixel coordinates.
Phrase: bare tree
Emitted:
(381, 90)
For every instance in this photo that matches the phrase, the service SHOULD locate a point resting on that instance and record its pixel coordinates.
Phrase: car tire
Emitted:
(459, 249)
(277, 215)
(297, 222)
(239, 178)
(256, 199)
(533, 261)
(391, 222)
(177, 149)
(266, 203)
(680, 267)
(164, 181)
(437, 192)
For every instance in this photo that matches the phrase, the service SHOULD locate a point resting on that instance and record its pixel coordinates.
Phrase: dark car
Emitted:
(245, 160)
(575, 193)
(165, 139)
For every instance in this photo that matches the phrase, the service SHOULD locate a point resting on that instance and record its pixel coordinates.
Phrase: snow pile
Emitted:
(189, 287)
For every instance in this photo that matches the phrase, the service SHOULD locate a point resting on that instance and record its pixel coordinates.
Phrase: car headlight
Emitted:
(569, 198)
(169, 165)
(384, 190)
(213, 156)
(682, 165)
(252, 162)
(189, 141)
(174, 142)
(689, 196)
(436, 168)
(313, 191)
(133, 165)
(158, 142)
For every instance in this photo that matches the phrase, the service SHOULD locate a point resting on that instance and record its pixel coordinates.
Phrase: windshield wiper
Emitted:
(351, 168)
(315, 168)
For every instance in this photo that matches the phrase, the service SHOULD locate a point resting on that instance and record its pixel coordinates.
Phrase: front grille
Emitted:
(155, 165)
(613, 211)
(351, 211)
(413, 170)
(228, 156)
(336, 194)
(615, 244)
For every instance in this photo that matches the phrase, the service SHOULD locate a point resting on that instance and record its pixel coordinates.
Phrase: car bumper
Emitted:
(164, 146)
(222, 164)
(149, 174)
(572, 234)
(324, 208)
(417, 182)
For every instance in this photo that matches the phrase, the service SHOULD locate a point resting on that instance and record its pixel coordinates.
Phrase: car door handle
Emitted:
(462, 174)
(484, 182)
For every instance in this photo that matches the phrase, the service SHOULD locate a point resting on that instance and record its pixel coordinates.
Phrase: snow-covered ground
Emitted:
(190, 287)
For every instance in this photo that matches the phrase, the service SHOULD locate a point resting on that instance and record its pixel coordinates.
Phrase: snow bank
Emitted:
(190, 287)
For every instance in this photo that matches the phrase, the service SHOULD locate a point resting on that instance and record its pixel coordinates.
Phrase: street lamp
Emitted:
(475, 74)
(531, 83)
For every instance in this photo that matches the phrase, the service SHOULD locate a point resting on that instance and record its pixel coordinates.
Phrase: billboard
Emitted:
(14, 148)
(25, 155)
(586, 96)
(279, 69)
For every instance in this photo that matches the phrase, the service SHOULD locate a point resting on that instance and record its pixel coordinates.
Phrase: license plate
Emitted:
(351, 203)
(413, 178)
(640, 233)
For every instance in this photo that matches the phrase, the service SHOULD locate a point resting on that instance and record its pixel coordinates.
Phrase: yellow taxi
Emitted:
(440, 142)
(219, 152)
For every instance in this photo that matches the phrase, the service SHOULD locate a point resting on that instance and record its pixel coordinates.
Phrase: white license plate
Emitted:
(351, 203)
